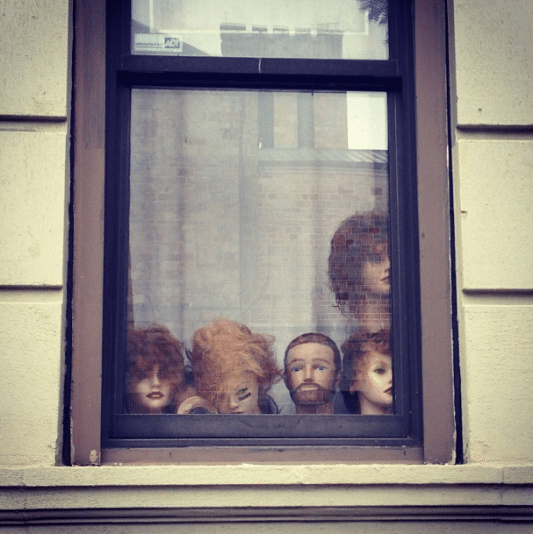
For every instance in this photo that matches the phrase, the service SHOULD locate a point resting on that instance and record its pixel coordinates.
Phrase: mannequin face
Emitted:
(239, 395)
(376, 272)
(152, 393)
(311, 374)
(374, 384)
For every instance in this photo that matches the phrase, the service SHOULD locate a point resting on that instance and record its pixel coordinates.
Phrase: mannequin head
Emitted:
(359, 265)
(155, 370)
(233, 368)
(376, 271)
(312, 365)
(367, 373)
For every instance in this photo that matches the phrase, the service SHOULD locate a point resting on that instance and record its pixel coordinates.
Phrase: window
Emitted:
(233, 156)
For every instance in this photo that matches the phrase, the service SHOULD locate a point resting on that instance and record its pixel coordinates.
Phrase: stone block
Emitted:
(494, 71)
(32, 208)
(34, 58)
(496, 210)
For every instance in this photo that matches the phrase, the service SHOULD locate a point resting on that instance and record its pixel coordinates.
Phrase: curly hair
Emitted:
(355, 350)
(225, 347)
(151, 346)
(358, 240)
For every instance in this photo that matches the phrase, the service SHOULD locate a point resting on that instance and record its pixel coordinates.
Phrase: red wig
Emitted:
(226, 347)
(358, 240)
(153, 346)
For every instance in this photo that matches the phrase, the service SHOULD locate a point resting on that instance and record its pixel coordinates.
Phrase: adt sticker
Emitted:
(155, 42)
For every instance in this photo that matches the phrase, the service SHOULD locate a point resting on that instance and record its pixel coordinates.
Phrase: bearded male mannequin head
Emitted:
(312, 366)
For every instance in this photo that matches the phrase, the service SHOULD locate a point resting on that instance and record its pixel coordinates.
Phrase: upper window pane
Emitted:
(347, 29)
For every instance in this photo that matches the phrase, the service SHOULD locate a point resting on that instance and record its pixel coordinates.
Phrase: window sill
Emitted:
(324, 475)
(178, 493)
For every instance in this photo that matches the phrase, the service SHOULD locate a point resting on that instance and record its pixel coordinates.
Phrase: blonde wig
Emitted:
(224, 348)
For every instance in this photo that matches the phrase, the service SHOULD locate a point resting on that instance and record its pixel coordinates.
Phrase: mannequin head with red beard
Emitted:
(312, 365)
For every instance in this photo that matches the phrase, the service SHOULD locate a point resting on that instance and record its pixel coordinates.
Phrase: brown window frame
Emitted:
(88, 264)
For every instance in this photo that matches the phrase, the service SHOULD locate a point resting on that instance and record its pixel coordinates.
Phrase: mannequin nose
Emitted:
(156, 382)
(308, 374)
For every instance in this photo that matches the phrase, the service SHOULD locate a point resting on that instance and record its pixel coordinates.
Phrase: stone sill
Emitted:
(265, 487)
(265, 474)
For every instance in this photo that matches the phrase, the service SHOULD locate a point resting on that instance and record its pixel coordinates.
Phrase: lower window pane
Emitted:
(256, 217)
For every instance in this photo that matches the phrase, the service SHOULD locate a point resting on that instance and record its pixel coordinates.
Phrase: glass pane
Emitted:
(256, 217)
(347, 29)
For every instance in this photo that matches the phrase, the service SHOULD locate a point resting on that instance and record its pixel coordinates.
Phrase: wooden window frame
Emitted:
(88, 264)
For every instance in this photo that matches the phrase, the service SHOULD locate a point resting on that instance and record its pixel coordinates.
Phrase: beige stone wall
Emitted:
(492, 114)
(34, 109)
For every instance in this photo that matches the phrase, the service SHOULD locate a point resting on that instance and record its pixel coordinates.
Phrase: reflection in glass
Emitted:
(349, 29)
(239, 199)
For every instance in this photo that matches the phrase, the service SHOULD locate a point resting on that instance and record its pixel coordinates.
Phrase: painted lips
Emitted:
(389, 391)
(155, 395)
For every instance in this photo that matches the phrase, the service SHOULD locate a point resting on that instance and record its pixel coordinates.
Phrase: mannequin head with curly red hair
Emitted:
(233, 368)
(359, 268)
(155, 370)
(366, 383)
